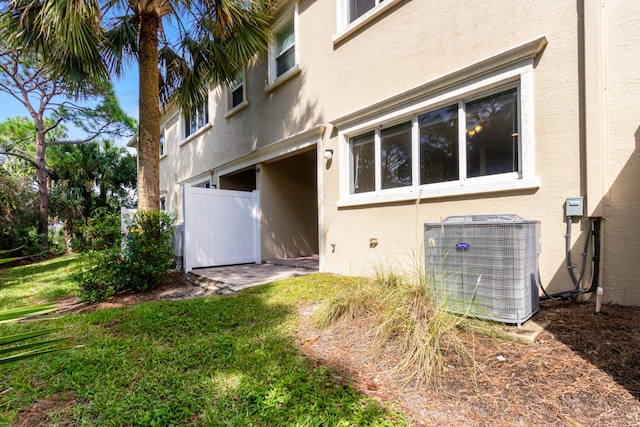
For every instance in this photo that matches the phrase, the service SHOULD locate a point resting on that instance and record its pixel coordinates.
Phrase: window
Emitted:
(237, 90)
(196, 119)
(283, 50)
(357, 8)
(162, 153)
(467, 139)
(163, 203)
(354, 15)
(236, 94)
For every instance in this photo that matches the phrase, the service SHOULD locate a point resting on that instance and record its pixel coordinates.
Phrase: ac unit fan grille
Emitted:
(483, 268)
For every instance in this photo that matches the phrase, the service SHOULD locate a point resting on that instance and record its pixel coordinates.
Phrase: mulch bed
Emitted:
(583, 370)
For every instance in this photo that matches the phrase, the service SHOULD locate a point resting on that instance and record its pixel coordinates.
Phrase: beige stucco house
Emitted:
(370, 118)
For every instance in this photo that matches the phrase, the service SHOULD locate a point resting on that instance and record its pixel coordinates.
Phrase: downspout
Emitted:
(596, 123)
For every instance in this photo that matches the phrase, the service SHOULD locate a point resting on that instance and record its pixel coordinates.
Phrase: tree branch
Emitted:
(20, 156)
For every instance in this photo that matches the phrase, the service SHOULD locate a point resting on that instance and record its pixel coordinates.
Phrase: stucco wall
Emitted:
(622, 224)
(417, 41)
(411, 51)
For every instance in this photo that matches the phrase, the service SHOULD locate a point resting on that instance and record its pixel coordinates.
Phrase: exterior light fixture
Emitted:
(328, 153)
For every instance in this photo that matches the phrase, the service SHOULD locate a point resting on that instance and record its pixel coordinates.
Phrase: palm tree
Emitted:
(181, 46)
(83, 177)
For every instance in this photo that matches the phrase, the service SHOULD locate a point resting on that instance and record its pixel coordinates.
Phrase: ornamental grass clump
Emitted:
(412, 333)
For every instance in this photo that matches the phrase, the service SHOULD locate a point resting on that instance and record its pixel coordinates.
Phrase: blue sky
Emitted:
(126, 89)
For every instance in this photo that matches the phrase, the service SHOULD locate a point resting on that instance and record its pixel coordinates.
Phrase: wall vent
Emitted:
(483, 266)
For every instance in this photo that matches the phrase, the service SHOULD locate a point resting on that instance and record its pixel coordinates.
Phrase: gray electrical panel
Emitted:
(575, 206)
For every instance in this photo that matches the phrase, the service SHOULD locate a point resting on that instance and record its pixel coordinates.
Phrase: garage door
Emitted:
(221, 227)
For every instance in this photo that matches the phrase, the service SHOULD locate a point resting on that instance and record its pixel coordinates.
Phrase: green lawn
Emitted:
(43, 281)
(228, 361)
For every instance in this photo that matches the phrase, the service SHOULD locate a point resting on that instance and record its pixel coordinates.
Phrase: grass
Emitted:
(216, 361)
(38, 282)
(407, 326)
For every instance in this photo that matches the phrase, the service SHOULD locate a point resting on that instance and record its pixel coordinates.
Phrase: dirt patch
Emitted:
(56, 408)
(583, 370)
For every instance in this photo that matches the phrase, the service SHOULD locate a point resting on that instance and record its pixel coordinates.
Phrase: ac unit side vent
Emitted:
(482, 266)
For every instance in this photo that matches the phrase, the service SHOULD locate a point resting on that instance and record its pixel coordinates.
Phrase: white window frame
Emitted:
(287, 16)
(346, 28)
(240, 81)
(163, 143)
(186, 120)
(520, 75)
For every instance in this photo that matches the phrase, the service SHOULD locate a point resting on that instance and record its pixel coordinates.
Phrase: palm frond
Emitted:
(11, 351)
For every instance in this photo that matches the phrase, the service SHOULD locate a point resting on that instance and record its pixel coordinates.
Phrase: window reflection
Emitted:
(492, 134)
(363, 167)
(396, 156)
(439, 145)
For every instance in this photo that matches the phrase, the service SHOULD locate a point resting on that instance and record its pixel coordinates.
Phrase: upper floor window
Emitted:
(283, 52)
(237, 92)
(196, 119)
(465, 139)
(353, 15)
(162, 143)
(357, 8)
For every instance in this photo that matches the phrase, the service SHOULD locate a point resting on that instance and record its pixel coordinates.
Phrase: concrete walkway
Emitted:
(233, 278)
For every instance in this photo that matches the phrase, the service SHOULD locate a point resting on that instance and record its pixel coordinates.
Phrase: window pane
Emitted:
(162, 144)
(396, 156)
(363, 164)
(285, 37)
(492, 134)
(237, 97)
(194, 122)
(357, 8)
(439, 145)
(187, 124)
(286, 61)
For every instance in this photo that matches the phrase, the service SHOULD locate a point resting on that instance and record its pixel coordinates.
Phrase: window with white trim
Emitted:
(357, 8)
(283, 55)
(237, 94)
(463, 139)
(162, 143)
(196, 119)
(163, 203)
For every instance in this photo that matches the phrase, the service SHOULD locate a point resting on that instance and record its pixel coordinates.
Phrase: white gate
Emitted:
(221, 227)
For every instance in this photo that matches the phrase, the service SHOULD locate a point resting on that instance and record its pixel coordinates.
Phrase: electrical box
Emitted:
(575, 206)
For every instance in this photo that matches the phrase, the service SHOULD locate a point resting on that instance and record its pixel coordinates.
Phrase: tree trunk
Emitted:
(67, 230)
(43, 192)
(149, 113)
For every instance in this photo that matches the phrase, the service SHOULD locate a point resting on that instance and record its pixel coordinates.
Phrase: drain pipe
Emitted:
(596, 132)
(596, 268)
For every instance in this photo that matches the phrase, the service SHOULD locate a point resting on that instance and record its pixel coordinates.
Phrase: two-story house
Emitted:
(369, 118)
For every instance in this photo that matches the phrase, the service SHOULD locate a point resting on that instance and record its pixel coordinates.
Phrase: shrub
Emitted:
(139, 266)
(149, 251)
(100, 274)
(102, 230)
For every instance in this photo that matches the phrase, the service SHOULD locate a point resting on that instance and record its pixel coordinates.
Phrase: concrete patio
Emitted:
(233, 278)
